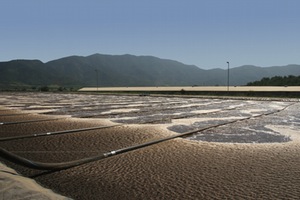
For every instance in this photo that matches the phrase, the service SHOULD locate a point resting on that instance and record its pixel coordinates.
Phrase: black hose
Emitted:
(45, 166)
(54, 133)
(64, 165)
(30, 121)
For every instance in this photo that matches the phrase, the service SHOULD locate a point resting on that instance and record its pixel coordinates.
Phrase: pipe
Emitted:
(54, 133)
(64, 165)
(45, 166)
(30, 121)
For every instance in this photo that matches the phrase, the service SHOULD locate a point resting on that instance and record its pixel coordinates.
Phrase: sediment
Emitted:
(175, 169)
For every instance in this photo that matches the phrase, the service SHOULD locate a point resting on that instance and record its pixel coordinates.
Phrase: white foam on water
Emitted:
(101, 121)
(251, 111)
(43, 106)
(119, 111)
(189, 121)
(135, 105)
(288, 131)
(41, 111)
(278, 105)
(123, 118)
(205, 111)
(193, 105)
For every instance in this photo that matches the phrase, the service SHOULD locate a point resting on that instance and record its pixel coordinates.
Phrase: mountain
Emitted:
(127, 70)
(124, 70)
(23, 72)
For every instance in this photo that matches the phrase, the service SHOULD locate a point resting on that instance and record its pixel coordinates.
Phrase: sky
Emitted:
(205, 33)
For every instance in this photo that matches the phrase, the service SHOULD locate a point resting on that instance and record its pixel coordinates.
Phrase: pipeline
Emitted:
(65, 165)
(55, 133)
(97, 127)
(31, 121)
(45, 166)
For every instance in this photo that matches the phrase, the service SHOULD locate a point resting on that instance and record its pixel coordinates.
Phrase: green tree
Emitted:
(45, 89)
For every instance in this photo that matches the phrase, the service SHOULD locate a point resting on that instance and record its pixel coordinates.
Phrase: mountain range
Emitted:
(127, 70)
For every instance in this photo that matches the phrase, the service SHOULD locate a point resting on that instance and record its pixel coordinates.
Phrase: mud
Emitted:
(257, 158)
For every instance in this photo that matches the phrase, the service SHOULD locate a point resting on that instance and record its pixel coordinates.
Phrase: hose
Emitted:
(30, 121)
(54, 133)
(64, 165)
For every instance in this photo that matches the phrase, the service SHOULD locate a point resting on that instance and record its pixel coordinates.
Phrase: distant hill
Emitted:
(124, 70)
(127, 70)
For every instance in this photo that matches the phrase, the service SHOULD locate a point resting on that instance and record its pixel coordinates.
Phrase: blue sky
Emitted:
(205, 33)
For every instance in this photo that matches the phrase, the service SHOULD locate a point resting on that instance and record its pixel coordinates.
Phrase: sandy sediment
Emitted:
(176, 169)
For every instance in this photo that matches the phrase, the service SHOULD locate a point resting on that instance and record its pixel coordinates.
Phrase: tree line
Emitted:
(277, 81)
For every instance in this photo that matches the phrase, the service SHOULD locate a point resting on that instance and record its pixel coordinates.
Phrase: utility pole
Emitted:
(228, 77)
(97, 77)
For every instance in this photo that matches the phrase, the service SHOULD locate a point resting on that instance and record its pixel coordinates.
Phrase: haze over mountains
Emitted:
(127, 70)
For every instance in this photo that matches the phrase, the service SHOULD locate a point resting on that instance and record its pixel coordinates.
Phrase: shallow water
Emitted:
(176, 114)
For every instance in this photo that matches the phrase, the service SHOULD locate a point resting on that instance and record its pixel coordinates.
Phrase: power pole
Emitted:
(97, 77)
(228, 77)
